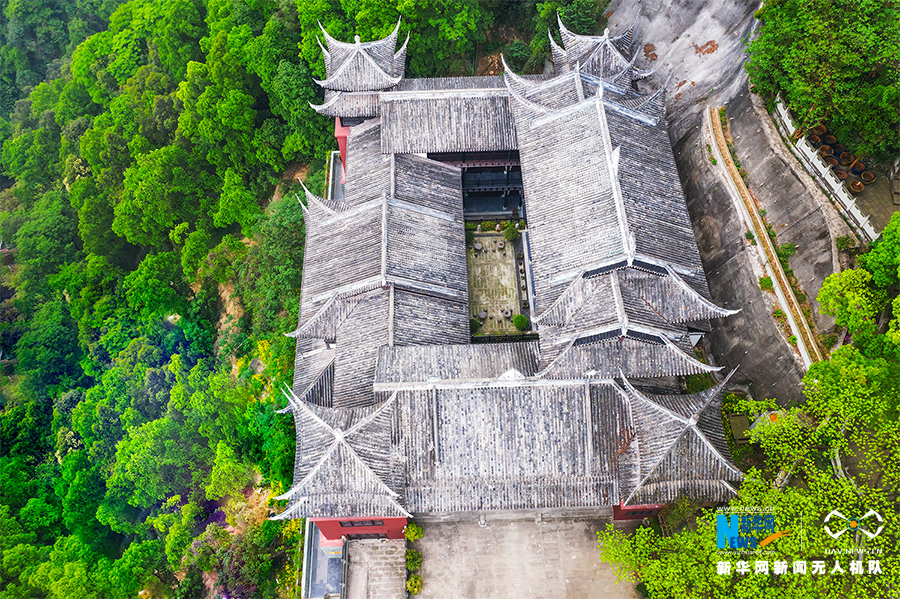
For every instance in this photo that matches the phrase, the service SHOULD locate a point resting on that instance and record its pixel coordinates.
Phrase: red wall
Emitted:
(331, 527)
(636, 512)
(341, 133)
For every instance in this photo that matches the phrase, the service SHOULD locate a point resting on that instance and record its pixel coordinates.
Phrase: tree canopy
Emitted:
(836, 63)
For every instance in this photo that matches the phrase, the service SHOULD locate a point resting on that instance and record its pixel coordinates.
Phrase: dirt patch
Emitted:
(232, 312)
(490, 64)
(294, 171)
(211, 580)
(680, 83)
(650, 52)
(608, 15)
(707, 48)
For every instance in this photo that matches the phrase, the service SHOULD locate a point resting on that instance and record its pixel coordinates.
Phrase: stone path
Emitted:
(377, 569)
(518, 559)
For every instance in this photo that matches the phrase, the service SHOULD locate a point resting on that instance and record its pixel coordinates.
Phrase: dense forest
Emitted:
(151, 249)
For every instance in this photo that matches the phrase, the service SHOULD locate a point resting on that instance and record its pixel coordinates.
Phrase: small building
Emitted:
(398, 412)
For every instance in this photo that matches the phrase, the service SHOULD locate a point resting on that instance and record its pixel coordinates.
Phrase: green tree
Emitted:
(852, 299)
(883, 259)
(157, 288)
(48, 351)
(835, 63)
(229, 475)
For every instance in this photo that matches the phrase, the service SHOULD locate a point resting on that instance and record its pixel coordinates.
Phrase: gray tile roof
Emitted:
(508, 444)
(679, 444)
(342, 462)
(482, 362)
(435, 424)
(450, 120)
(362, 66)
(608, 353)
(348, 104)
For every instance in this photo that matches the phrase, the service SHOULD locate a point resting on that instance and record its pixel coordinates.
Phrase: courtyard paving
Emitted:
(377, 569)
(517, 559)
(493, 282)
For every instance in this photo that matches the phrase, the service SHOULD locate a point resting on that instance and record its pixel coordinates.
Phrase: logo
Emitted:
(746, 532)
(843, 524)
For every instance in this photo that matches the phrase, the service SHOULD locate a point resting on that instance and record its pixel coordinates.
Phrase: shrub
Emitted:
(488, 225)
(779, 314)
(412, 531)
(844, 242)
(414, 584)
(793, 340)
(678, 512)
(765, 283)
(413, 560)
(788, 249)
(510, 233)
(470, 237)
(829, 340)
(516, 53)
(521, 322)
(750, 237)
(474, 325)
(470, 226)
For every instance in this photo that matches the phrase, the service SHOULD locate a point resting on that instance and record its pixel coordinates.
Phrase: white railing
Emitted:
(820, 170)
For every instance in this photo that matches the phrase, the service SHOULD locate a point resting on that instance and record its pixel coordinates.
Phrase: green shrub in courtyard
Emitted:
(510, 233)
(521, 322)
(413, 560)
(414, 584)
(412, 531)
(488, 225)
(474, 325)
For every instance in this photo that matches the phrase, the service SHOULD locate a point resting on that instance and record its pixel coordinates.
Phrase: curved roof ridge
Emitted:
(635, 393)
(553, 362)
(334, 82)
(690, 359)
(577, 281)
(339, 439)
(330, 206)
(559, 55)
(400, 58)
(564, 33)
(690, 425)
(693, 292)
(655, 95)
(604, 44)
(325, 105)
(521, 99)
(627, 37)
(335, 43)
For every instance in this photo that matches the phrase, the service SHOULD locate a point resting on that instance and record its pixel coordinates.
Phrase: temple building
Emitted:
(400, 409)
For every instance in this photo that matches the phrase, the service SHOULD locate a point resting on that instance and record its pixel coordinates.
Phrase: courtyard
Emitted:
(517, 559)
(495, 287)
